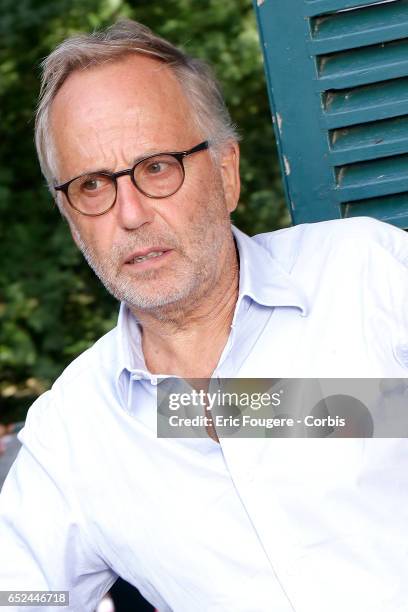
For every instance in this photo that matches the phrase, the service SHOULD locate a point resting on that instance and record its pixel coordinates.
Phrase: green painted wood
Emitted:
(374, 178)
(367, 26)
(338, 86)
(364, 104)
(302, 145)
(369, 141)
(312, 8)
(392, 209)
(363, 65)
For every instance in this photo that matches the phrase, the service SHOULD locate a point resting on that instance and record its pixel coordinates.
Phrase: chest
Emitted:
(238, 526)
(171, 522)
(342, 341)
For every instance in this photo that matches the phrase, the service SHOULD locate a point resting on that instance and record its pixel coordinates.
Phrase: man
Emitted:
(139, 152)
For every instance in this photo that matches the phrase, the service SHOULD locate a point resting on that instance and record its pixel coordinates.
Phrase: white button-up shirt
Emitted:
(247, 525)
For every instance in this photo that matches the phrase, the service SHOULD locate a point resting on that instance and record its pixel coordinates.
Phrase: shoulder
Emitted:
(73, 394)
(354, 265)
(351, 239)
(101, 355)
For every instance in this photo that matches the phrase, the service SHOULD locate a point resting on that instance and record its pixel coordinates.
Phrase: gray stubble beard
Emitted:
(188, 285)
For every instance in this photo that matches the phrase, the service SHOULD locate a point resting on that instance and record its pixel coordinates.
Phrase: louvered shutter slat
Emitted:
(368, 26)
(392, 209)
(363, 65)
(368, 141)
(312, 8)
(373, 178)
(365, 104)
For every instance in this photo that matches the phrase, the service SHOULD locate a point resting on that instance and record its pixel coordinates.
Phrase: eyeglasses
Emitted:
(156, 176)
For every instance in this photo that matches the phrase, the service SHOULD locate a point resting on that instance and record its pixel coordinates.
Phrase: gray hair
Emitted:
(119, 40)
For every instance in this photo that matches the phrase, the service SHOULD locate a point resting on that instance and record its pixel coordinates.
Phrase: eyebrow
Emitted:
(133, 162)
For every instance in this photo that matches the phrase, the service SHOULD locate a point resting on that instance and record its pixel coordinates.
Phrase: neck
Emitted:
(187, 339)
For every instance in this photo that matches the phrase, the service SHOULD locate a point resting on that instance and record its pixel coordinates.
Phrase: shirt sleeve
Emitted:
(43, 541)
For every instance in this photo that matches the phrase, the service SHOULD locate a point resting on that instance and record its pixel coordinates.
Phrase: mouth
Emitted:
(149, 255)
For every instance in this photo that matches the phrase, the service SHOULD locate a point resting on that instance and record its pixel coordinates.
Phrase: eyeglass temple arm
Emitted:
(200, 147)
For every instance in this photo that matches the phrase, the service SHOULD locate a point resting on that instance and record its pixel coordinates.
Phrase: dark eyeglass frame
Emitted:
(178, 155)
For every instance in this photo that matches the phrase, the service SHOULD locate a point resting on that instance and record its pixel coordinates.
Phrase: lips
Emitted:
(145, 255)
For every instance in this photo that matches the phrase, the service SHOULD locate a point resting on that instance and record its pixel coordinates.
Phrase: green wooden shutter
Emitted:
(337, 74)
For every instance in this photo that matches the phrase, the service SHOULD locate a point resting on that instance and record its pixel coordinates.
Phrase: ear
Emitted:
(230, 174)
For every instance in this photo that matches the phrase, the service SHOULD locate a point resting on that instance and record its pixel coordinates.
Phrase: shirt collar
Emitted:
(261, 278)
(129, 342)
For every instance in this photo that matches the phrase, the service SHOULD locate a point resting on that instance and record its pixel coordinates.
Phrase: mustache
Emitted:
(143, 241)
(140, 239)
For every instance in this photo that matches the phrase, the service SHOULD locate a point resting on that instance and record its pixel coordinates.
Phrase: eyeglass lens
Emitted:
(159, 176)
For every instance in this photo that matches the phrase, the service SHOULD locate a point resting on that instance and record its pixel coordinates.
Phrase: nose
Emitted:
(132, 207)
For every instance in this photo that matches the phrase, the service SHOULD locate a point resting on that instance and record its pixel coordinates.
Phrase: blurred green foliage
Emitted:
(51, 305)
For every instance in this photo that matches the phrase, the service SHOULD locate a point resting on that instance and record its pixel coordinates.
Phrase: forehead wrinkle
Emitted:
(111, 170)
(109, 153)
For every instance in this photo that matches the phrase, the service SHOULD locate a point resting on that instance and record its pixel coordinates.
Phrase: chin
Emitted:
(151, 299)
(155, 291)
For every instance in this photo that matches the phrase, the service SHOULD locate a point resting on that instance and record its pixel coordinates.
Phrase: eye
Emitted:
(93, 184)
(159, 175)
(156, 167)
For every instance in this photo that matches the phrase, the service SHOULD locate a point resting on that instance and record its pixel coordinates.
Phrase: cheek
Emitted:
(197, 216)
(179, 214)
(96, 234)
(192, 216)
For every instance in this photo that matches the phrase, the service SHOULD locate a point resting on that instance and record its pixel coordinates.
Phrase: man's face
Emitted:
(105, 118)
